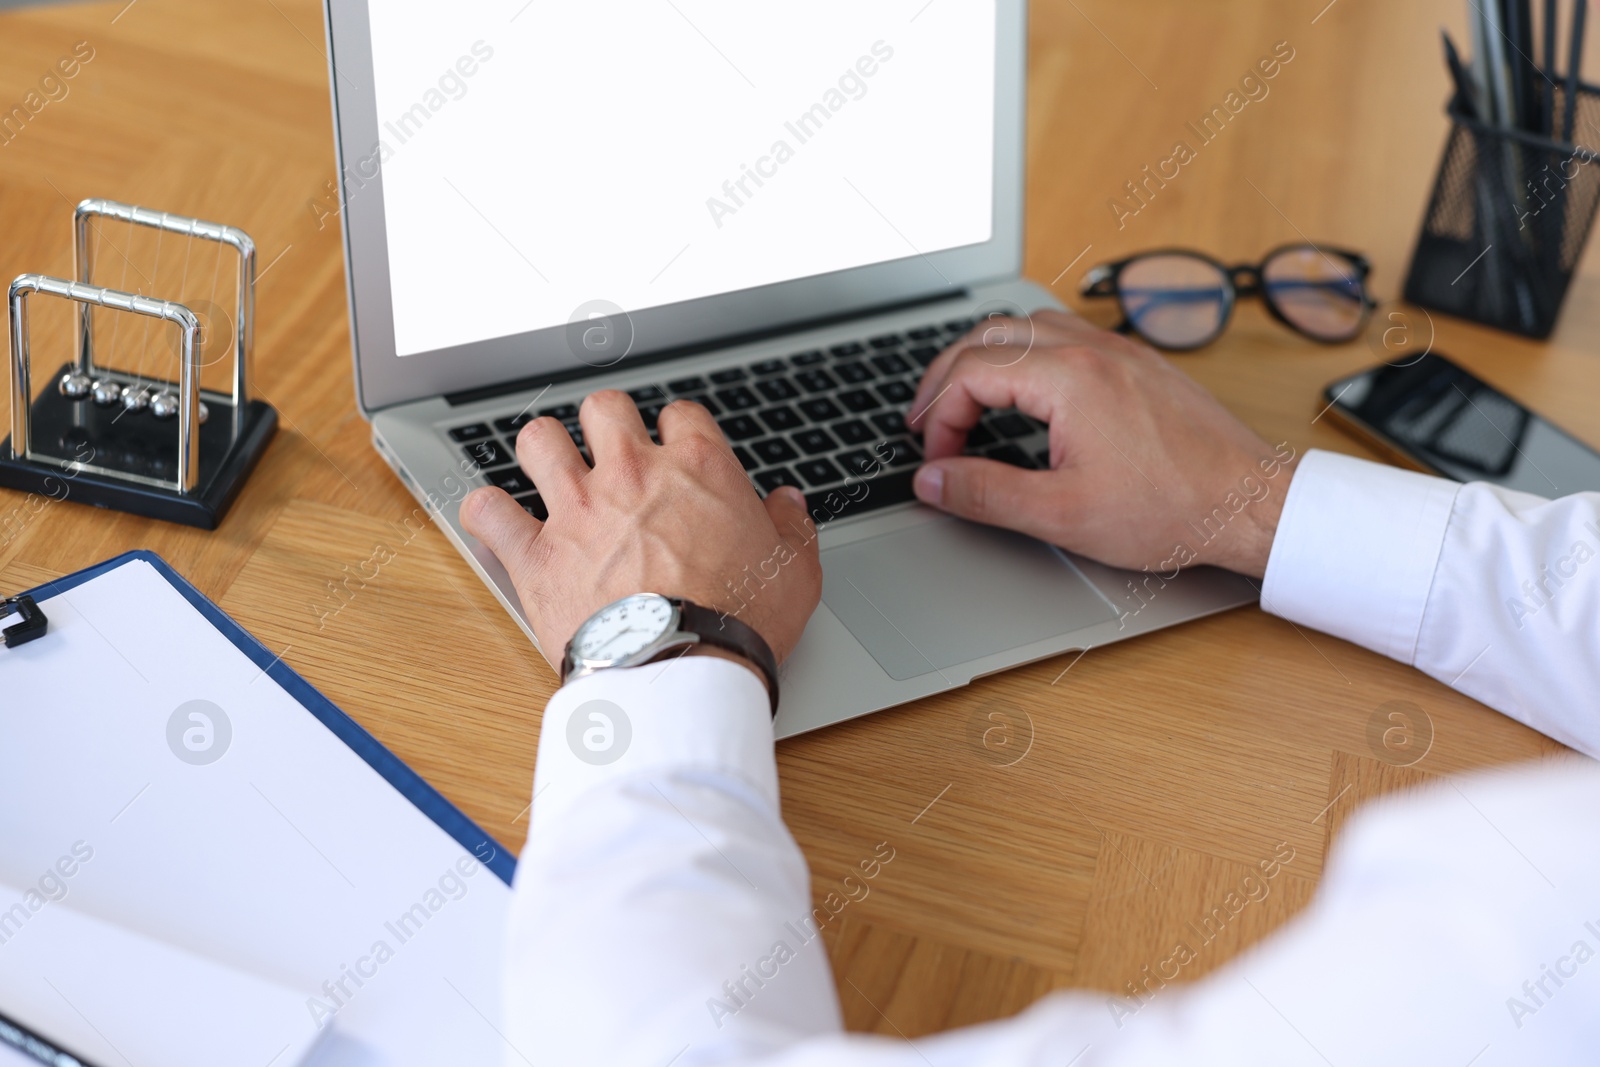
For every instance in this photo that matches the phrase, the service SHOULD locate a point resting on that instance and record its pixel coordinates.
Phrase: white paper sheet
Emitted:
(285, 857)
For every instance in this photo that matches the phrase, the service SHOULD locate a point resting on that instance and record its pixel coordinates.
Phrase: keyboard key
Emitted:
(890, 363)
(774, 450)
(769, 366)
(1041, 459)
(819, 472)
(511, 445)
(740, 427)
(816, 381)
(807, 359)
(959, 325)
(891, 423)
(646, 393)
(1009, 453)
(512, 481)
(770, 480)
(815, 441)
(849, 348)
(739, 398)
(470, 433)
(729, 376)
(1011, 424)
(778, 389)
(533, 504)
(900, 452)
(924, 355)
(979, 436)
(746, 460)
(820, 409)
(858, 400)
(896, 392)
(853, 373)
(574, 431)
(888, 340)
(924, 333)
(886, 488)
(854, 432)
(706, 402)
(859, 462)
(679, 386)
(782, 418)
(560, 411)
(512, 423)
(651, 414)
(488, 454)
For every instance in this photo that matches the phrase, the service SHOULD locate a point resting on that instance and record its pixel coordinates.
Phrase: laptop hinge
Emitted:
(488, 392)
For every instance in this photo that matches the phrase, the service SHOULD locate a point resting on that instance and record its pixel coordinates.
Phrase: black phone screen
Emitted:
(1454, 424)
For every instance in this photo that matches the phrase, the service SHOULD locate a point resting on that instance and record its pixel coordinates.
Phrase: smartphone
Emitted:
(1434, 416)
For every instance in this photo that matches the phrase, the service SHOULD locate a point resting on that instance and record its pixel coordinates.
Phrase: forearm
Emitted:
(661, 904)
(1492, 592)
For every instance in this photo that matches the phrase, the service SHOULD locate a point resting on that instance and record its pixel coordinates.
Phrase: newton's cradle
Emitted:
(125, 440)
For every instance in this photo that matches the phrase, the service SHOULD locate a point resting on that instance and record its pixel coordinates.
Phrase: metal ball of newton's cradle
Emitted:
(75, 386)
(164, 405)
(135, 397)
(106, 392)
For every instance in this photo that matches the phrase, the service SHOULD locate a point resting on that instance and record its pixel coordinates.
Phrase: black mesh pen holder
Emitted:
(1508, 219)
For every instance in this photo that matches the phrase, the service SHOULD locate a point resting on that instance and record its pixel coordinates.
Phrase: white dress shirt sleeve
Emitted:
(1493, 592)
(662, 913)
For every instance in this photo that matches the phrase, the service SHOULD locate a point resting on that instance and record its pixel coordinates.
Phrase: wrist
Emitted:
(1249, 545)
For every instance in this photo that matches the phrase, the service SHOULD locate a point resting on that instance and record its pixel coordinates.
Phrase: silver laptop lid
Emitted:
(531, 190)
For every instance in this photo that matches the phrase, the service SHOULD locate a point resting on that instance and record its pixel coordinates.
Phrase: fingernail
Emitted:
(929, 484)
(793, 495)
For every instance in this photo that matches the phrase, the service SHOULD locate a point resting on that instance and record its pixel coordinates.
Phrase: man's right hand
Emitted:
(1146, 468)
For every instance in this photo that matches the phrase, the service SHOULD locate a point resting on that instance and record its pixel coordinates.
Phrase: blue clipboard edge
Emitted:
(428, 800)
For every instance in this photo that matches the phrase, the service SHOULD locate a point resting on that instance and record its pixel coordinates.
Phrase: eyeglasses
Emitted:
(1181, 300)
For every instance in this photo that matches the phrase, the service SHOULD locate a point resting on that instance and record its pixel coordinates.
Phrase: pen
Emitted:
(1574, 63)
(1548, 119)
(1466, 93)
(1517, 81)
(30, 1044)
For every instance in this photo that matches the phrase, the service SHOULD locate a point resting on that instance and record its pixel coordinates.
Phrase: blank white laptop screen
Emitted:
(647, 152)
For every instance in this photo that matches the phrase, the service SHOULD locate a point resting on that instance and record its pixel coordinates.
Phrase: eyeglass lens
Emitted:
(1320, 292)
(1175, 300)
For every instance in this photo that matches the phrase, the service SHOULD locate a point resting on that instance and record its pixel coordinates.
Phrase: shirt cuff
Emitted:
(697, 713)
(1356, 550)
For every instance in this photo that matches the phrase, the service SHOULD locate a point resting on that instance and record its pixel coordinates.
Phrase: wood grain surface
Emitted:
(1059, 825)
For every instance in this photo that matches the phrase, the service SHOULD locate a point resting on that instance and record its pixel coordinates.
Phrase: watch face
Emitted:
(623, 629)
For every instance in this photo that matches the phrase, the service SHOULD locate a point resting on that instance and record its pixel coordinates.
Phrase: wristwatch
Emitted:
(647, 626)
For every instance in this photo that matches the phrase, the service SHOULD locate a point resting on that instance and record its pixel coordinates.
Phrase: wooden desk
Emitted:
(1157, 772)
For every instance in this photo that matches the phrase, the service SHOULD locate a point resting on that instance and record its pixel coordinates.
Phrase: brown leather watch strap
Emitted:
(726, 632)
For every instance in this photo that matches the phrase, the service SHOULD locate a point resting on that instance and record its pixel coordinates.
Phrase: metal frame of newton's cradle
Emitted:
(106, 437)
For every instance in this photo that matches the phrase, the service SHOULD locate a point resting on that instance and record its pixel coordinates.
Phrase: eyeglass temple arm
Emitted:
(1100, 281)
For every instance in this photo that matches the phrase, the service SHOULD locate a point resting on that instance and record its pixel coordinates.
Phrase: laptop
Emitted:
(782, 211)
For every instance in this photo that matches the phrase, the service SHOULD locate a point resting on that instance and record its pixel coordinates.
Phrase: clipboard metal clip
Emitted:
(33, 625)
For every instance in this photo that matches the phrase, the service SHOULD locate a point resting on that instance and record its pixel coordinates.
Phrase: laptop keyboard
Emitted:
(828, 421)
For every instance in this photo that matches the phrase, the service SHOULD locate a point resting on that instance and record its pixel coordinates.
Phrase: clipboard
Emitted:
(232, 814)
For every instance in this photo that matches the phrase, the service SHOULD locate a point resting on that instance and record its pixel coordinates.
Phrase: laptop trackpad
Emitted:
(947, 592)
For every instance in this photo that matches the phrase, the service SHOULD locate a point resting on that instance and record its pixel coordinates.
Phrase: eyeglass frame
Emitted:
(1102, 281)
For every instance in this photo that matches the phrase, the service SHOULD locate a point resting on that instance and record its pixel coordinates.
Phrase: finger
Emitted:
(786, 506)
(612, 426)
(1008, 336)
(499, 522)
(683, 419)
(975, 384)
(988, 491)
(547, 454)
